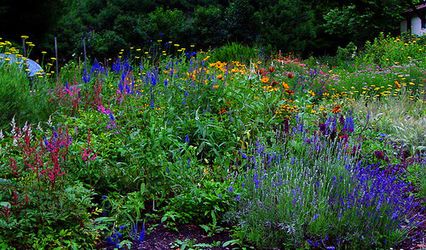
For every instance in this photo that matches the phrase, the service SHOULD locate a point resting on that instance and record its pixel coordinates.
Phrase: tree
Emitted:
(287, 25)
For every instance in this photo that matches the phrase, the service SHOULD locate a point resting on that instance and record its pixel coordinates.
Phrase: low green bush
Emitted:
(234, 52)
(18, 99)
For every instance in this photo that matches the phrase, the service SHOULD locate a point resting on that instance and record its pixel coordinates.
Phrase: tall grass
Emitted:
(402, 119)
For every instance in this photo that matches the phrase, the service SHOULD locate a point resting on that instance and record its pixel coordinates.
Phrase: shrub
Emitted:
(234, 52)
(388, 50)
(18, 100)
(39, 206)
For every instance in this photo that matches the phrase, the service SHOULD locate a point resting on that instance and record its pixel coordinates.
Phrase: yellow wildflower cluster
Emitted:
(284, 110)
(269, 88)
(233, 67)
(219, 65)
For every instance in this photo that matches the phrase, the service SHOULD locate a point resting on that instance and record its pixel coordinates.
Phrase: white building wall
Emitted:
(416, 26)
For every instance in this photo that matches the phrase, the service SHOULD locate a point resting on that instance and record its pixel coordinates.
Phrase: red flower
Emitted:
(262, 72)
(336, 109)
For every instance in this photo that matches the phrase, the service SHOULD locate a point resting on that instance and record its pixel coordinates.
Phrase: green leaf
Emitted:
(5, 204)
(230, 243)
(205, 227)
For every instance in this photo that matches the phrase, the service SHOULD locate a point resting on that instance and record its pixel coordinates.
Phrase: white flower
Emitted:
(49, 122)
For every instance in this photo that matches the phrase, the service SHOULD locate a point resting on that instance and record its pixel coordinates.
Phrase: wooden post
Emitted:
(23, 47)
(84, 53)
(57, 64)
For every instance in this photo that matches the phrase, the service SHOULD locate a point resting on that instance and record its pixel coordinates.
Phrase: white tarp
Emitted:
(31, 65)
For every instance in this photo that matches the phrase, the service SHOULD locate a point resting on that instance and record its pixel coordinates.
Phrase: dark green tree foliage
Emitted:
(208, 25)
(287, 24)
(358, 21)
(239, 21)
(290, 25)
(29, 17)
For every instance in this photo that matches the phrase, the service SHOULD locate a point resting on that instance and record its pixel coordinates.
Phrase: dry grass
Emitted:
(404, 120)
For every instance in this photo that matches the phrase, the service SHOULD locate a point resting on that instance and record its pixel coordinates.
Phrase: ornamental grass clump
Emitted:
(319, 193)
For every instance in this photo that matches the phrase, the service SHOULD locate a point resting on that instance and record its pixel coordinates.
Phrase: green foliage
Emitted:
(346, 54)
(51, 218)
(276, 211)
(234, 52)
(40, 208)
(18, 99)
(173, 140)
(203, 203)
(208, 25)
(387, 50)
(417, 175)
(287, 25)
(360, 21)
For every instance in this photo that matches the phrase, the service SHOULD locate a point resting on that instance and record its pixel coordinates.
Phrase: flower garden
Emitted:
(268, 151)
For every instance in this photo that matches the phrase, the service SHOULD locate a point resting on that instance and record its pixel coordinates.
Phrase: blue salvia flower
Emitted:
(152, 103)
(86, 76)
(142, 234)
(153, 79)
(315, 217)
(349, 124)
(187, 139)
(259, 148)
(382, 136)
(243, 155)
(123, 76)
(120, 87)
(126, 66)
(166, 82)
(256, 181)
(314, 244)
(116, 66)
(97, 68)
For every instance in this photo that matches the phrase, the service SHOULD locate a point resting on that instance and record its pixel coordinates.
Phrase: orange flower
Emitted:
(398, 86)
(222, 111)
(336, 109)
(220, 77)
(271, 69)
(264, 79)
(216, 86)
(285, 85)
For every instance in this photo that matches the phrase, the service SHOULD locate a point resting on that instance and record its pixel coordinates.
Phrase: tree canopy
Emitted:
(311, 26)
